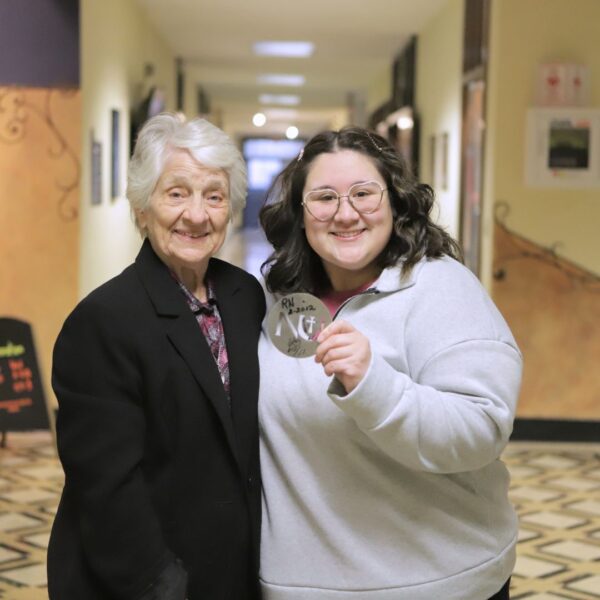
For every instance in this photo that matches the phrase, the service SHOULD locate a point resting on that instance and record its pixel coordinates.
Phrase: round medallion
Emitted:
(294, 323)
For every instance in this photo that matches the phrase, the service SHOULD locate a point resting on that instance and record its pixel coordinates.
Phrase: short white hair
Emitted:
(205, 142)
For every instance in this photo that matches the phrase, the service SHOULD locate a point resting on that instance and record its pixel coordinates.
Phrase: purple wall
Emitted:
(39, 43)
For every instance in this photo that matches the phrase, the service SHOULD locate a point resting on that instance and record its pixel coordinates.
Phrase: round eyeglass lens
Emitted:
(366, 197)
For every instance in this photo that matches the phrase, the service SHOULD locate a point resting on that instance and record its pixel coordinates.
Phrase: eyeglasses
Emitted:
(365, 198)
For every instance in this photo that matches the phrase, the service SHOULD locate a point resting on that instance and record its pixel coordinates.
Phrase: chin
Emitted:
(352, 262)
(191, 260)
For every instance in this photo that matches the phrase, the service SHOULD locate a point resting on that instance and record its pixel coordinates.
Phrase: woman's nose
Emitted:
(195, 210)
(346, 211)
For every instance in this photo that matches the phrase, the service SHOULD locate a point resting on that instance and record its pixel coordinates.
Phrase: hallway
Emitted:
(463, 88)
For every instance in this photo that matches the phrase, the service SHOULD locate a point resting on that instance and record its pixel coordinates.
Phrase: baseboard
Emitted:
(551, 430)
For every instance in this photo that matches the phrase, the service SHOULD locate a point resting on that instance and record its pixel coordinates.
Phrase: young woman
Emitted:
(380, 457)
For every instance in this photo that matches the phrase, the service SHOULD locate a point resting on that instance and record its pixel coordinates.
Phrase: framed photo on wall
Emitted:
(115, 172)
(563, 147)
(96, 170)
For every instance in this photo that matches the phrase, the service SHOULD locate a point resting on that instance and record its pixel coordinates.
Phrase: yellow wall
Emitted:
(439, 104)
(524, 35)
(553, 311)
(39, 196)
(117, 41)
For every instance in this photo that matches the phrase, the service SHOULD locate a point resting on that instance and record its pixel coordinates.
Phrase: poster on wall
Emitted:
(563, 147)
(22, 400)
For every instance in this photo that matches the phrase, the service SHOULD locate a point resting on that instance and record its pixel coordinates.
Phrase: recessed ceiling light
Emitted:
(405, 122)
(284, 99)
(281, 79)
(287, 49)
(291, 133)
(259, 119)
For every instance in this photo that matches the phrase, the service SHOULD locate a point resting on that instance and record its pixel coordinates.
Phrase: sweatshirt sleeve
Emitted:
(453, 409)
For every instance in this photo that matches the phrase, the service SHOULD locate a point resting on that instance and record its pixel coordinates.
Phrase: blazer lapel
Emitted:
(196, 353)
(241, 351)
(184, 333)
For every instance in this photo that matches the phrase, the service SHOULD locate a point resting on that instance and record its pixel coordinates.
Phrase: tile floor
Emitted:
(30, 484)
(555, 487)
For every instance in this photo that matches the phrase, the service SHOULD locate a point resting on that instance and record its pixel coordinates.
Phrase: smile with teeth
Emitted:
(193, 236)
(348, 235)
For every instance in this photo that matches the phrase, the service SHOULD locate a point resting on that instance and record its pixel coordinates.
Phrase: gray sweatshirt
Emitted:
(396, 490)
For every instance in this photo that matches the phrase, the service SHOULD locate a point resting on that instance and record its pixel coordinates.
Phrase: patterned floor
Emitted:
(556, 488)
(30, 484)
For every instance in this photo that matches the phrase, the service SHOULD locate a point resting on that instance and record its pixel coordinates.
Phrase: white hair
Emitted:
(205, 142)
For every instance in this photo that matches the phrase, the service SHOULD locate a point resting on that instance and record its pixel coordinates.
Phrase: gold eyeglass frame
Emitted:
(347, 196)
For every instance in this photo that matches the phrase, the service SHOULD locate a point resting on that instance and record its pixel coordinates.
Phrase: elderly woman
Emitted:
(156, 376)
(380, 456)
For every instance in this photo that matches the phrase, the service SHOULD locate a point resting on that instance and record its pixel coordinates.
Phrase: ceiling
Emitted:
(355, 43)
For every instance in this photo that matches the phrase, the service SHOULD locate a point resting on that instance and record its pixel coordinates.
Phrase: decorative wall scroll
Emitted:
(15, 112)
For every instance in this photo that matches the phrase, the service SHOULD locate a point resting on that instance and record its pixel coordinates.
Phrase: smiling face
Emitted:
(349, 243)
(186, 220)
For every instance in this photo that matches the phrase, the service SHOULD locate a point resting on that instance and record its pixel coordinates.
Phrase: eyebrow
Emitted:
(216, 182)
(175, 180)
(183, 181)
(330, 187)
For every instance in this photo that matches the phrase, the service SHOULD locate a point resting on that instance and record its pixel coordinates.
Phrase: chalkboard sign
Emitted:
(22, 402)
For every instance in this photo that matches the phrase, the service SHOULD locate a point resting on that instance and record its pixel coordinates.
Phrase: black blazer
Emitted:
(157, 466)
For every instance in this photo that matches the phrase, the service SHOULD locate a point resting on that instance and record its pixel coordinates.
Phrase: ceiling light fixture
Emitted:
(291, 133)
(283, 99)
(281, 79)
(286, 49)
(405, 122)
(259, 119)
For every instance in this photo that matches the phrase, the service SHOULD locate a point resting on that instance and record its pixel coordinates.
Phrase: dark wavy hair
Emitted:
(295, 267)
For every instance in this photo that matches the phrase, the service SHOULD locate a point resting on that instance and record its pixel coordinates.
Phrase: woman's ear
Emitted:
(141, 219)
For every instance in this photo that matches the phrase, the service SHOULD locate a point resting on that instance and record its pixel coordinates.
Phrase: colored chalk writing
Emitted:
(10, 349)
(22, 401)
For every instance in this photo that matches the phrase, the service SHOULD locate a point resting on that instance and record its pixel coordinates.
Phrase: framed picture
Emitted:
(96, 175)
(444, 160)
(563, 147)
(115, 183)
